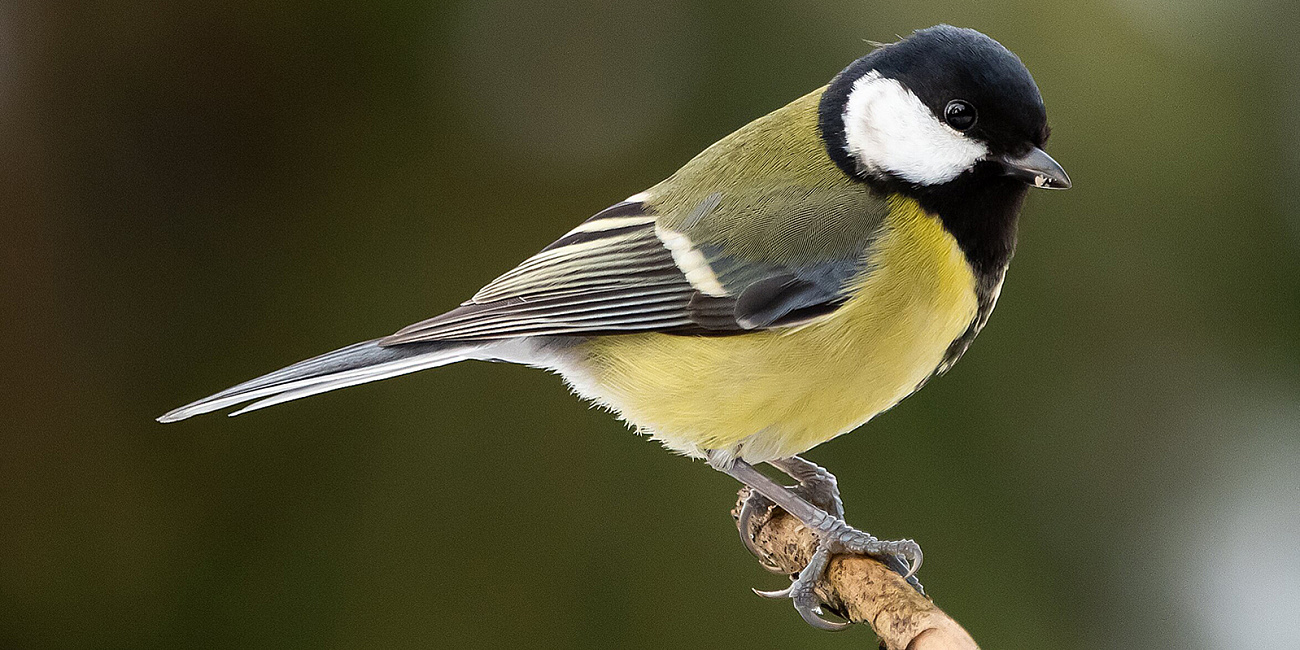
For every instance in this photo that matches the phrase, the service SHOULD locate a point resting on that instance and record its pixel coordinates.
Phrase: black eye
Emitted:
(959, 114)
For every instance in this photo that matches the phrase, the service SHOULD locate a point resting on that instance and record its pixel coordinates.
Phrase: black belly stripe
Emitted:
(980, 209)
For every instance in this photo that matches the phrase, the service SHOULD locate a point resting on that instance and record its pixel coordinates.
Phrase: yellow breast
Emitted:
(777, 393)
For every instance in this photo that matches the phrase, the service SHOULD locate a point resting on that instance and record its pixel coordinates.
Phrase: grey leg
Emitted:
(834, 536)
(819, 484)
(816, 485)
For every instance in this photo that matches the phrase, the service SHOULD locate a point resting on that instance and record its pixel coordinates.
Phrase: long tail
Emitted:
(355, 364)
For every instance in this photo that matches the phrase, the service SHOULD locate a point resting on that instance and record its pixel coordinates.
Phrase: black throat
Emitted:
(981, 209)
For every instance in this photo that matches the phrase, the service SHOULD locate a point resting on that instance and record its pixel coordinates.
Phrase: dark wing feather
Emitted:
(613, 275)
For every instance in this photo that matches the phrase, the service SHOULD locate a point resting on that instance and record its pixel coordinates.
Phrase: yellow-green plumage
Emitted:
(777, 393)
(764, 202)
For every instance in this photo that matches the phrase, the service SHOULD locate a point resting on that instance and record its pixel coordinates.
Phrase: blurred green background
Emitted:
(196, 193)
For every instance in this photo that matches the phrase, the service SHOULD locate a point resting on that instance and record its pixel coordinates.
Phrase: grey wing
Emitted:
(619, 272)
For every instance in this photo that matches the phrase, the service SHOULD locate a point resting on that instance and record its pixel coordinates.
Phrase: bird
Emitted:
(786, 285)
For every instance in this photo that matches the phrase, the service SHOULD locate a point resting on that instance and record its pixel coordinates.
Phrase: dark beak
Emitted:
(1038, 169)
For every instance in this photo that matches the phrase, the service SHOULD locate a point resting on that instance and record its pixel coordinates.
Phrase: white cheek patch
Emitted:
(890, 130)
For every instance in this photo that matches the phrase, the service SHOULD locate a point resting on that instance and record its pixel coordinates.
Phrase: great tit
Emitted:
(790, 282)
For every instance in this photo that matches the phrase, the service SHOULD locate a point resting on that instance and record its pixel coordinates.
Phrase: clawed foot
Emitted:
(817, 486)
(835, 537)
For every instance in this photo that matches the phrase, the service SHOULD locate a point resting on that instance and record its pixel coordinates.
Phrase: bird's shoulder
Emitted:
(770, 192)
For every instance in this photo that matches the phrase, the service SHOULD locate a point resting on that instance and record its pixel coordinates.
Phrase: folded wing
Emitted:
(621, 272)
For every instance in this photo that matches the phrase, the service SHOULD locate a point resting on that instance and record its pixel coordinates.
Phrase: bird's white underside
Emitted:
(890, 130)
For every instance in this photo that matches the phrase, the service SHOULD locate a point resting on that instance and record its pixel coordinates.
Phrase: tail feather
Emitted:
(355, 364)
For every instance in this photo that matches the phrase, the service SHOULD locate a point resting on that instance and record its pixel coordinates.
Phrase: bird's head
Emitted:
(934, 110)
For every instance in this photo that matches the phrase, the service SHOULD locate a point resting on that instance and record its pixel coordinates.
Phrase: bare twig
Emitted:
(861, 589)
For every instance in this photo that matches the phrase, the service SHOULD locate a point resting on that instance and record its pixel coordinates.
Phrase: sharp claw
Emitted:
(747, 511)
(909, 552)
(914, 563)
(811, 615)
(777, 593)
(742, 524)
(805, 599)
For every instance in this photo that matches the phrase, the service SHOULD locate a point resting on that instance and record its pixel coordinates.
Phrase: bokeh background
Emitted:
(196, 193)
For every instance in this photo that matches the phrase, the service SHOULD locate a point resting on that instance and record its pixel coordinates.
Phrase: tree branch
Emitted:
(858, 588)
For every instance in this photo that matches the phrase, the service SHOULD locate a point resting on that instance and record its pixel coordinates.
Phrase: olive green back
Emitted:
(770, 193)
